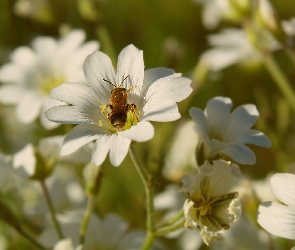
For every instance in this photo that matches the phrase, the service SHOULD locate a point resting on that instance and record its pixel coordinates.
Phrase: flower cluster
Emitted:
(107, 105)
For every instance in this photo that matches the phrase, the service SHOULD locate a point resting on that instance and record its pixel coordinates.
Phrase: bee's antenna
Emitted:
(110, 82)
(124, 80)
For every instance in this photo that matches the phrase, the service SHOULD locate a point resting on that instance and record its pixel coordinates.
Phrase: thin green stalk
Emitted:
(86, 219)
(51, 208)
(92, 189)
(173, 220)
(148, 185)
(29, 238)
(282, 82)
(169, 229)
(291, 54)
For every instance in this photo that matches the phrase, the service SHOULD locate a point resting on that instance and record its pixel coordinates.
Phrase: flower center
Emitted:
(119, 120)
(51, 82)
(216, 136)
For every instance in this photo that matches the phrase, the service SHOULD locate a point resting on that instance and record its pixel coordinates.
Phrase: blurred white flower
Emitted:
(289, 26)
(65, 244)
(28, 161)
(44, 161)
(33, 72)
(233, 46)
(152, 96)
(182, 154)
(214, 11)
(210, 206)
(110, 232)
(244, 234)
(279, 219)
(268, 15)
(225, 133)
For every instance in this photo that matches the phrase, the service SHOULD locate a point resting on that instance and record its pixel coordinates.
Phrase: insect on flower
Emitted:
(119, 106)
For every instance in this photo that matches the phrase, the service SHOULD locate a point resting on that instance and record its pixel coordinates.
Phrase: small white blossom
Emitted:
(33, 72)
(279, 219)
(233, 46)
(225, 133)
(214, 11)
(151, 95)
(182, 154)
(210, 206)
(289, 27)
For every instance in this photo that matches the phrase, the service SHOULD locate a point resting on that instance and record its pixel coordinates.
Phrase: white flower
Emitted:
(29, 161)
(289, 26)
(152, 96)
(182, 154)
(279, 219)
(233, 46)
(210, 206)
(32, 73)
(214, 11)
(225, 133)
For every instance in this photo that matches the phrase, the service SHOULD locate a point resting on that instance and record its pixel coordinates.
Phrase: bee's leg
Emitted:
(104, 107)
(132, 107)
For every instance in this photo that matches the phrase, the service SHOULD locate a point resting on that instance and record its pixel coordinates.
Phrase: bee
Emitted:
(119, 106)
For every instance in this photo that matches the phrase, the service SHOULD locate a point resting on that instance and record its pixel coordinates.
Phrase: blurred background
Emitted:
(171, 34)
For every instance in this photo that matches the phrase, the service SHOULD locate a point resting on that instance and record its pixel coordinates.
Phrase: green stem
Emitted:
(91, 191)
(281, 80)
(86, 219)
(169, 229)
(29, 238)
(51, 208)
(173, 220)
(290, 53)
(148, 186)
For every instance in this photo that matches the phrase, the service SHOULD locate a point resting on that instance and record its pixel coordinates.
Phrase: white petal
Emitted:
(218, 114)
(24, 161)
(256, 137)
(277, 219)
(45, 46)
(49, 103)
(29, 107)
(75, 93)
(172, 87)
(101, 149)
(221, 178)
(154, 74)
(199, 118)
(70, 42)
(10, 94)
(283, 187)
(160, 110)
(239, 153)
(67, 115)
(130, 62)
(13, 73)
(65, 244)
(142, 131)
(74, 61)
(79, 136)
(242, 119)
(119, 146)
(24, 56)
(98, 66)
